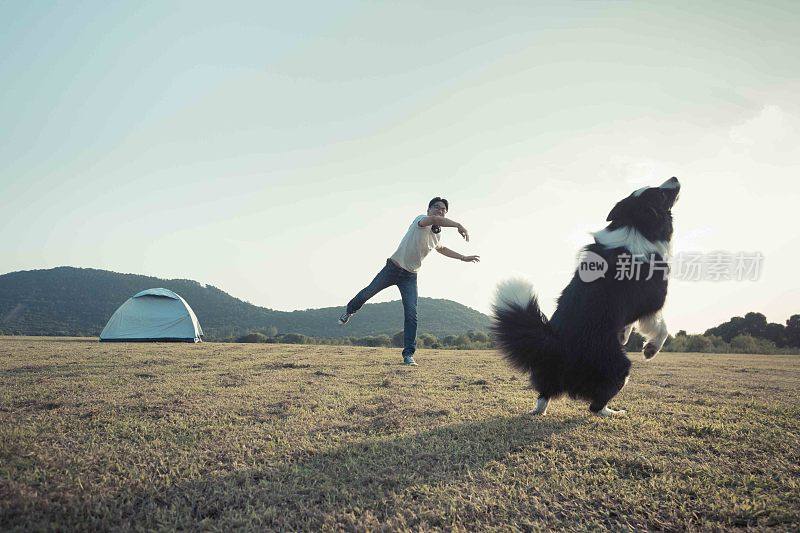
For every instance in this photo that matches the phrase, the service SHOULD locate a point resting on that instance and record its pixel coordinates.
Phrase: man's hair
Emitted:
(437, 199)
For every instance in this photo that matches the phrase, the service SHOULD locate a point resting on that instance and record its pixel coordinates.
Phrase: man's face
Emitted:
(438, 209)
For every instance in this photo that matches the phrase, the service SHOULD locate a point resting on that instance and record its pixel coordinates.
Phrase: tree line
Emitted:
(749, 334)
(471, 340)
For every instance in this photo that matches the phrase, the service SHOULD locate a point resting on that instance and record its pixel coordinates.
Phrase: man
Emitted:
(401, 269)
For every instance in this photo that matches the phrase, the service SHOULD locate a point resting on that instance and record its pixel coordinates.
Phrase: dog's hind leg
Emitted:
(655, 329)
(603, 394)
(607, 412)
(541, 406)
(601, 408)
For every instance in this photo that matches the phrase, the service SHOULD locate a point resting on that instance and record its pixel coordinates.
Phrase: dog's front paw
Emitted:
(650, 350)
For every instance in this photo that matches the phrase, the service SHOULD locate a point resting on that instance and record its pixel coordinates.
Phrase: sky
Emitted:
(280, 150)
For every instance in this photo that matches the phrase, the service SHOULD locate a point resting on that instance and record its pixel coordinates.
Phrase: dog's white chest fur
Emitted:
(635, 242)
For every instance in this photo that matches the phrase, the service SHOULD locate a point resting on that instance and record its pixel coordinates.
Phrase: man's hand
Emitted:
(447, 252)
(463, 231)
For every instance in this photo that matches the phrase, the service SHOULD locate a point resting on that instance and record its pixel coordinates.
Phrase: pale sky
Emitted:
(280, 150)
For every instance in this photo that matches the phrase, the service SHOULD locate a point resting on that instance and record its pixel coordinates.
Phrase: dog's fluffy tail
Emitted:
(525, 337)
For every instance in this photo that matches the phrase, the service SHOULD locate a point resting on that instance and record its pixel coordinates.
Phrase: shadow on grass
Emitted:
(383, 475)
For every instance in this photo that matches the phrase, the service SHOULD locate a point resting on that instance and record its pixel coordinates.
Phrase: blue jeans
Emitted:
(406, 281)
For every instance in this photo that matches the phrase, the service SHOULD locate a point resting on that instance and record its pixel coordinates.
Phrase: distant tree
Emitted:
(744, 344)
(478, 336)
(681, 333)
(668, 344)
(766, 346)
(398, 339)
(253, 337)
(754, 325)
(698, 343)
(462, 341)
(718, 344)
(384, 340)
(293, 338)
(270, 331)
(426, 340)
(729, 329)
(374, 341)
(792, 332)
(449, 340)
(677, 344)
(775, 333)
(635, 342)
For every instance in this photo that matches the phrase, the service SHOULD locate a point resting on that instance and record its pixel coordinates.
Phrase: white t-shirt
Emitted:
(416, 244)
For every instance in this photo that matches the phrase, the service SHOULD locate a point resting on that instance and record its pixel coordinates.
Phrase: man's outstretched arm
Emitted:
(455, 255)
(443, 222)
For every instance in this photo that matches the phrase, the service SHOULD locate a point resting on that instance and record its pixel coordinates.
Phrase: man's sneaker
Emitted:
(409, 360)
(344, 318)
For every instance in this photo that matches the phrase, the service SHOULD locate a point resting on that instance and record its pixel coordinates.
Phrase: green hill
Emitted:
(79, 302)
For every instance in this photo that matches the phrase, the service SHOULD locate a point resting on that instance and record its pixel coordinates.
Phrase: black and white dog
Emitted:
(580, 350)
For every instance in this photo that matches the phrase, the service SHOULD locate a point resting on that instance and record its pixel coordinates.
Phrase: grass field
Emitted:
(221, 436)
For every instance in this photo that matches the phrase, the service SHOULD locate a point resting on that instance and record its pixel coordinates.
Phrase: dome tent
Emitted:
(153, 315)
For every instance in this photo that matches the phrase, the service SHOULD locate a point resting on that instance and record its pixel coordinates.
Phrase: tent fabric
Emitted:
(158, 292)
(156, 315)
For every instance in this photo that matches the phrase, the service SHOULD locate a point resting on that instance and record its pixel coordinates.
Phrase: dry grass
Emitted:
(221, 436)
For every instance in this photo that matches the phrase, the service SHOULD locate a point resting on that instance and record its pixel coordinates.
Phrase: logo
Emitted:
(591, 266)
(685, 266)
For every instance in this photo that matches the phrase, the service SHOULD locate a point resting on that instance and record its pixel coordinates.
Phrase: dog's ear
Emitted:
(620, 210)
